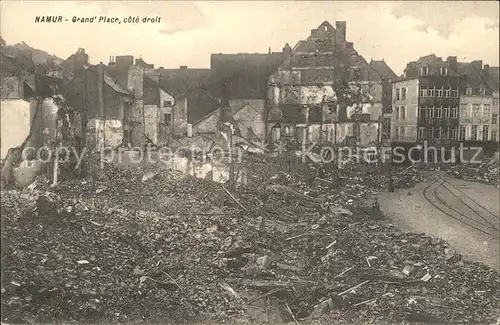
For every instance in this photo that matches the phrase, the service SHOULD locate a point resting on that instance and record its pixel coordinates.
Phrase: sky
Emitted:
(188, 32)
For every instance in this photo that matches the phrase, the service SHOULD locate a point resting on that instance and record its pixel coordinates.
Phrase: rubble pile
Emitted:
(154, 246)
(487, 173)
(408, 177)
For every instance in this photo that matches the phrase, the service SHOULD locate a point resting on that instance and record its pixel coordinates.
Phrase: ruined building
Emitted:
(303, 91)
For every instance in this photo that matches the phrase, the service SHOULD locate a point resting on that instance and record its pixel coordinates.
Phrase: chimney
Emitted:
(341, 27)
(183, 67)
(486, 70)
(125, 60)
(100, 89)
(477, 65)
(287, 52)
(452, 62)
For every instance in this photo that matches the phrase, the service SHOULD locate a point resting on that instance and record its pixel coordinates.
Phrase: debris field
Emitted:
(144, 245)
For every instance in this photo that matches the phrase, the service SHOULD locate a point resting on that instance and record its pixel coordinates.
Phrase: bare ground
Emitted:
(471, 234)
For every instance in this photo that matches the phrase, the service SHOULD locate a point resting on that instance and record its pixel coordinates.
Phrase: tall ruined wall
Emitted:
(113, 104)
(250, 122)
(135, 82)
(289, 94)
(368, 132)
(151, 120)
(180, 117)
(15, 123)
(104, 133)
(373, 109)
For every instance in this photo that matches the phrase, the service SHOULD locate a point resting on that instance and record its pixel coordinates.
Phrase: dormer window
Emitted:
(425, 71)
(444, 71)
(325, 28)
(482, 91)
(468, 91)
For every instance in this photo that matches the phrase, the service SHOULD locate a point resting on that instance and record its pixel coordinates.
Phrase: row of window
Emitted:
(474, 133)
(401, 93)
(438, 92)
(448, 133)
(438, 112)
(400, 112)
(437, 133)
(476, 111)
(425, 71)
(475, 91)
(427, 133)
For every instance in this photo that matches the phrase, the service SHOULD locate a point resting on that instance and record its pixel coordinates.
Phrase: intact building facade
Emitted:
(478, 107)
(426, 102)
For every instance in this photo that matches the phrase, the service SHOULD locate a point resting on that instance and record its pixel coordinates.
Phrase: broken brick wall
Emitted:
(104, 133)
(167, 117)
(180, 116)
(151, 120)
(208, 124)
(250, 119)
(368, 132)
(11, 87)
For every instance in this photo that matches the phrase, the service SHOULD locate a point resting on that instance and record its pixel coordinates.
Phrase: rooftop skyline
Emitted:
(190, 31)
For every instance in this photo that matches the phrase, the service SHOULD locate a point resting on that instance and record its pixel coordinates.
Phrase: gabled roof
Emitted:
(119, 73)
(53, 72)
(151, 91)
(75, 60)
(246, 74)
(67, 67)
(473, 79)
(478, 78)
(181, 81)
(364, 71)
(426, 60)
(432, 62)
(383, 70)
(200, 104)
(110, 81)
